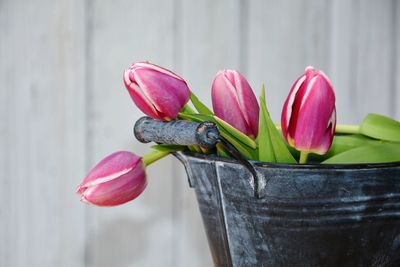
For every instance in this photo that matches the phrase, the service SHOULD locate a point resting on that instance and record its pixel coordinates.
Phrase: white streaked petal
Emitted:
(308, 91)
(309, 68)
(158, 68)
(292, 98)
(332, 120)
(239, 90)
(326, 77)
(107, 178)
(231, 87)
(126, 78)
(143, 93)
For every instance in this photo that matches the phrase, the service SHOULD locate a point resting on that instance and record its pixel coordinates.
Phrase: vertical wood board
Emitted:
(284, 37)
(122, 32)
(43, 150)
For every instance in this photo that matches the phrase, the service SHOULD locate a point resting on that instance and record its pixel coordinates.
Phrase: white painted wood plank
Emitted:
(43, 149)
(362, 58)
(283, 38)
(4, 133)
(139, 233)
(375, 57)
(210, 41)
(42, 124)
(343, 63)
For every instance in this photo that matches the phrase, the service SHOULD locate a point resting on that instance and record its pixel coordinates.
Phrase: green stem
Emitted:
(347, 129)
(153, 156)
(188, 110)
(199, 106)
(303, 157)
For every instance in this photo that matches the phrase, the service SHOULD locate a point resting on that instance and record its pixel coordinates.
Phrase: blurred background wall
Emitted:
(64, 107)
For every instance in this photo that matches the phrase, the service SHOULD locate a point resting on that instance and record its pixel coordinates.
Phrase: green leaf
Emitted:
(342, 143)
(187, 109)
(282, 153)
(221, 151)
(200, 107)
(272, 146)
(154, 156)
(244, 148)
(194, 148)
(377, 153)
(196, 117)
(381, 127)
(347, 129)
(265, 148)
(236, 133)
(168, 148)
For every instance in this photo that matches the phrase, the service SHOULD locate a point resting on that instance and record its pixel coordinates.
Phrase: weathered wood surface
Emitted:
(42, 66)
(63, 107)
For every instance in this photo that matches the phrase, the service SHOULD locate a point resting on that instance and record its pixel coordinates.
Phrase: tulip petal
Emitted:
(156, 91)
(225, 103)
(234, 101)
(293, 123)
(248, 103)
(168, 94)
(315, 108)
(118, 163)
(309, 115)
(139, 97)
(159, 69)
(118, 191)
(288, 108)
(118, 178)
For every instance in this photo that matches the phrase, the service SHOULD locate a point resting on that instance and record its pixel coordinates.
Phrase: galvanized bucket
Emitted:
(263, 214)
(310, 215)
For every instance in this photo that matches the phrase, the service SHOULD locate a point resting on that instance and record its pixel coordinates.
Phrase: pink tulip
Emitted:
(157, 92)
(309, 114)
(117, 179)
(234, 101)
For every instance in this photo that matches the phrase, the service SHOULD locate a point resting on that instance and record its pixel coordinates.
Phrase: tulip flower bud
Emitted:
(234, 101)
(115, 180)
(157, 92)
(309, 114)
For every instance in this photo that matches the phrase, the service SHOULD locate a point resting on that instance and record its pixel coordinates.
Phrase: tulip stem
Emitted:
(303, 157)
(154, 156)
(347, 129)
(188, 110)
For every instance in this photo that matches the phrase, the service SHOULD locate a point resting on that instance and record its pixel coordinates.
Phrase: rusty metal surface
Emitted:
(311, 215)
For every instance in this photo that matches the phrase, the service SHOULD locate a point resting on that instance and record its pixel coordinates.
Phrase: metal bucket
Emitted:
(310, 215)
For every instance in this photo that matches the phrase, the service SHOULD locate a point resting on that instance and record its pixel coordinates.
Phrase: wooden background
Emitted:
(64, 107)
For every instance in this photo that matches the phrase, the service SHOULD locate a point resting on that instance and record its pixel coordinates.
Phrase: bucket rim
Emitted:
(314, 166)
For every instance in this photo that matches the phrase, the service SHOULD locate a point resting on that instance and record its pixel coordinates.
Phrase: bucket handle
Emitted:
(205, 134)
(177, 132)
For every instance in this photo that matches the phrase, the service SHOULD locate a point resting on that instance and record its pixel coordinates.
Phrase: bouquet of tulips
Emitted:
(307, 133)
